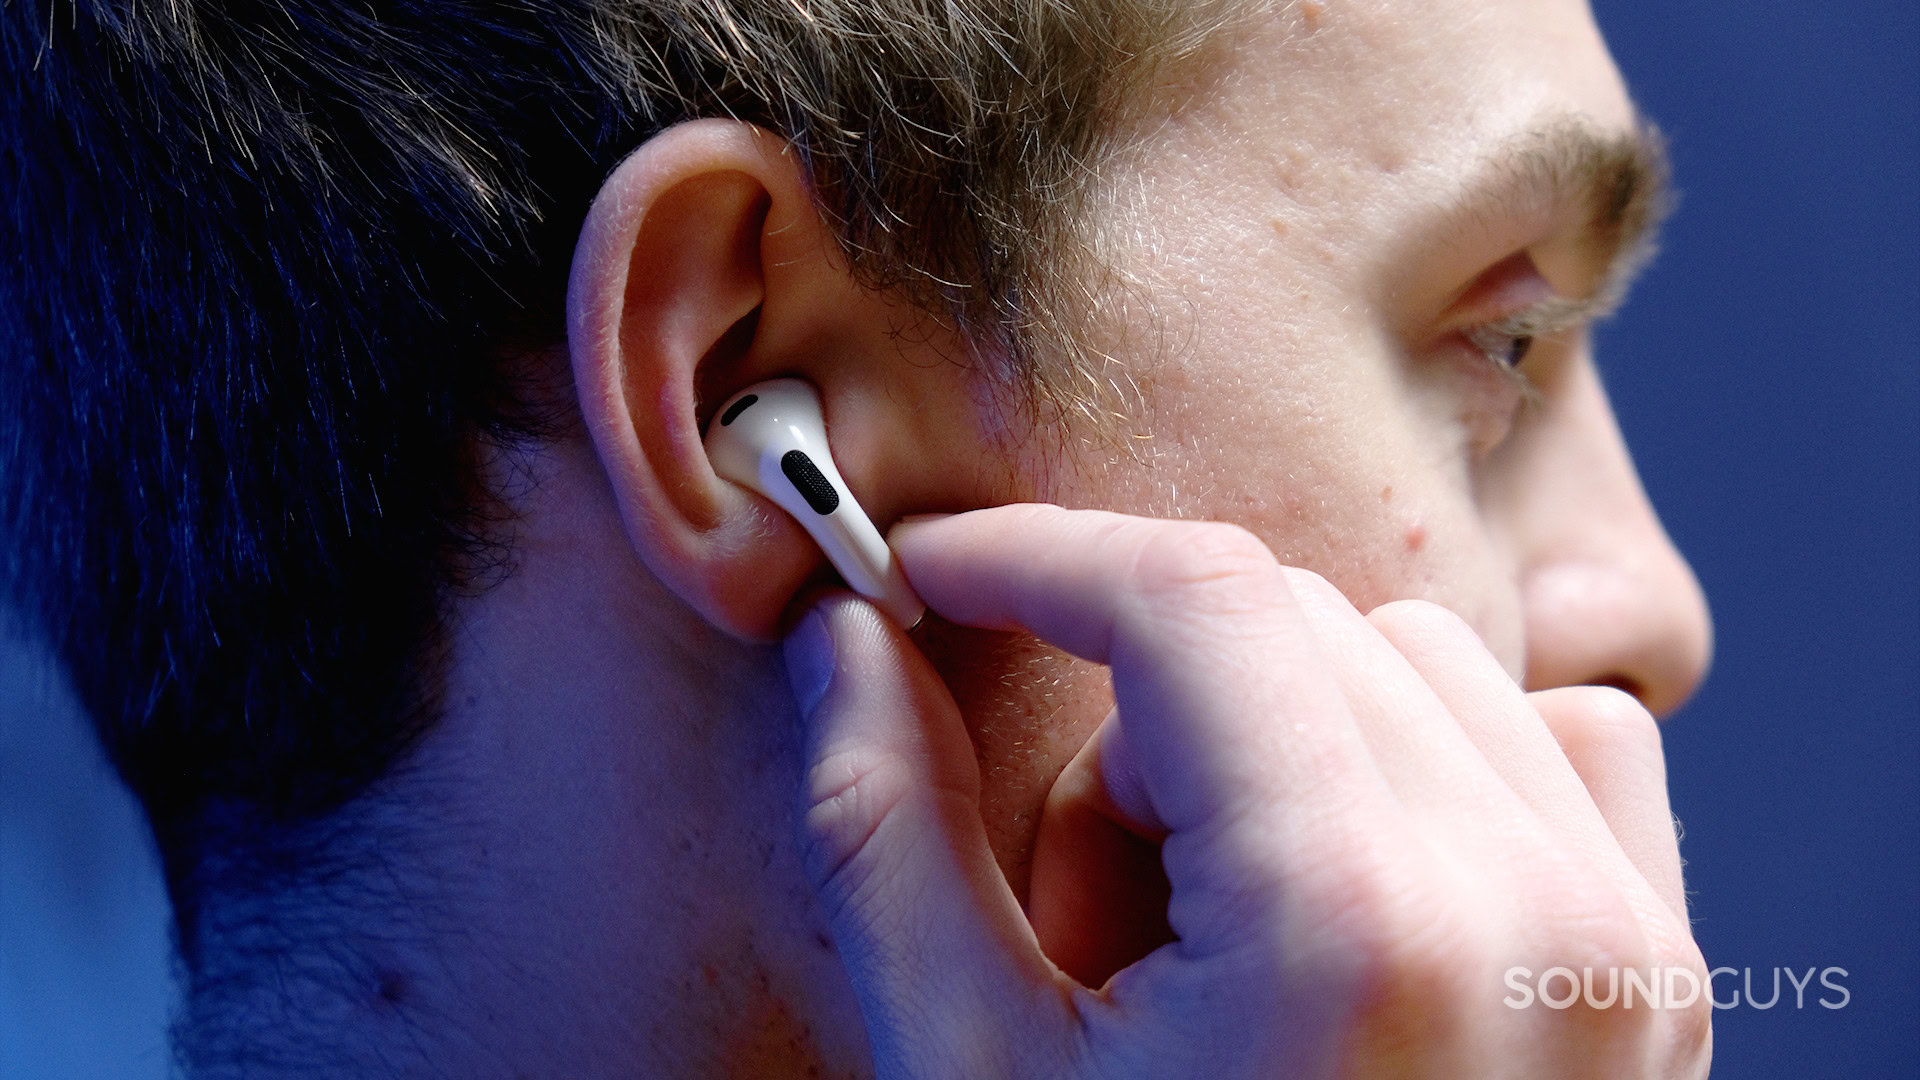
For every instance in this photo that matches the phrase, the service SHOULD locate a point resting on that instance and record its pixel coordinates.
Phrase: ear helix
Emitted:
(772, 439)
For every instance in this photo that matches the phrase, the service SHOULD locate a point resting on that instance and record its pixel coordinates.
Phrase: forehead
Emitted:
(1329, 147)
(1420, 62)
(1314, 103)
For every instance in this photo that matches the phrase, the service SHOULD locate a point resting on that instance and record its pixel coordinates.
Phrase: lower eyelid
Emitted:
(1489, 395)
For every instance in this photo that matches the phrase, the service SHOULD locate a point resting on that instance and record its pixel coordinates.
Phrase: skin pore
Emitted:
(1314, 221)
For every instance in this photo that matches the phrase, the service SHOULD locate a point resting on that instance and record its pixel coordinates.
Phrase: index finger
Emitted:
(1225, 694)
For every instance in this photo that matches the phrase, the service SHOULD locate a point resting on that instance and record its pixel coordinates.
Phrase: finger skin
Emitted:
(1322, 925)
(1503, 725)
(1244, 743)
(1415, 736)
(1613, 743)
(1098, 897)
(936, 945)
(1215, 670)
(1588, 762)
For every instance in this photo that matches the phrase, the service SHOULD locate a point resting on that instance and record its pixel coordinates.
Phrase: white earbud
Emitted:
(771, 438)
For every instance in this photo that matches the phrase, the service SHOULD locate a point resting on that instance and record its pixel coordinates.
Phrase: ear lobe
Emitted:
(668, 282)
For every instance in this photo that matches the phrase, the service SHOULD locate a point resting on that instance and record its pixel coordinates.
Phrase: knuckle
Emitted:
(1404, 951)
(850, 796)
(1614, 981)
(1309, 588)
(1420, 623)
(1582, 917)
(1424, 964)
(1606, 720)
(1600, 939)
(1416, 988)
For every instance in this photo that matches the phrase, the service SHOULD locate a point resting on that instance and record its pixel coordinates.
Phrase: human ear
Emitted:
(703, 267)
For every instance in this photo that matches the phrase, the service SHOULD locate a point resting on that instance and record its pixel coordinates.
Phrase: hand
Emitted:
(1364, 823)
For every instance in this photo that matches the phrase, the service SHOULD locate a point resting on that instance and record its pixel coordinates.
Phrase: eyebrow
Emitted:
(1620, 182)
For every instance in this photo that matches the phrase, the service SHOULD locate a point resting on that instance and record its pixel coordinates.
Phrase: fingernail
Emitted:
(809, 652)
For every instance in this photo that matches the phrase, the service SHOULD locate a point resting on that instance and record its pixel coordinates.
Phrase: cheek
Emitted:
(1028, 708)
(1346, 491)
(1400, 534)
(1343, 473)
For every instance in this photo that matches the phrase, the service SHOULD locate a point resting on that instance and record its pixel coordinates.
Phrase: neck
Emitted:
(587, 868)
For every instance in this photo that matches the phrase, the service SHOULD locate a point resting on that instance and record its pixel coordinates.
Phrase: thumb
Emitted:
(950, 979)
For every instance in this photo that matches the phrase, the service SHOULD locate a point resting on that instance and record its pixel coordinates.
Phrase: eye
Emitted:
(1499, 387)
(1503, 347)
(1505, 344)
(1510, 310)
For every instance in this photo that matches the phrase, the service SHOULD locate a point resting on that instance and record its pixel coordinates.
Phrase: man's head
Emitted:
(363, 359)
(274, 262)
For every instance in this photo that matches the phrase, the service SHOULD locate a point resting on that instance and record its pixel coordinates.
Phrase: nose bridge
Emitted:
(1607, 597)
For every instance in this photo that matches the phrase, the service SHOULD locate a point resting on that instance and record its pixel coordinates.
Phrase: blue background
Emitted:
(1767, 374)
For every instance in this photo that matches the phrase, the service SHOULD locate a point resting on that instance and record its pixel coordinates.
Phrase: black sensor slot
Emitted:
(809, 482)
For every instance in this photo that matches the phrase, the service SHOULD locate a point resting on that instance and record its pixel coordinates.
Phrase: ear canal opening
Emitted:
(717, 377)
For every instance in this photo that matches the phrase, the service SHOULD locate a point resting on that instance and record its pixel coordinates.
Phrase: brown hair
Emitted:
(270, 249)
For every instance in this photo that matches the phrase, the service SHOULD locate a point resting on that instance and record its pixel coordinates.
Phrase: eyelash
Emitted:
(1506, 348)
(1508, 341)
